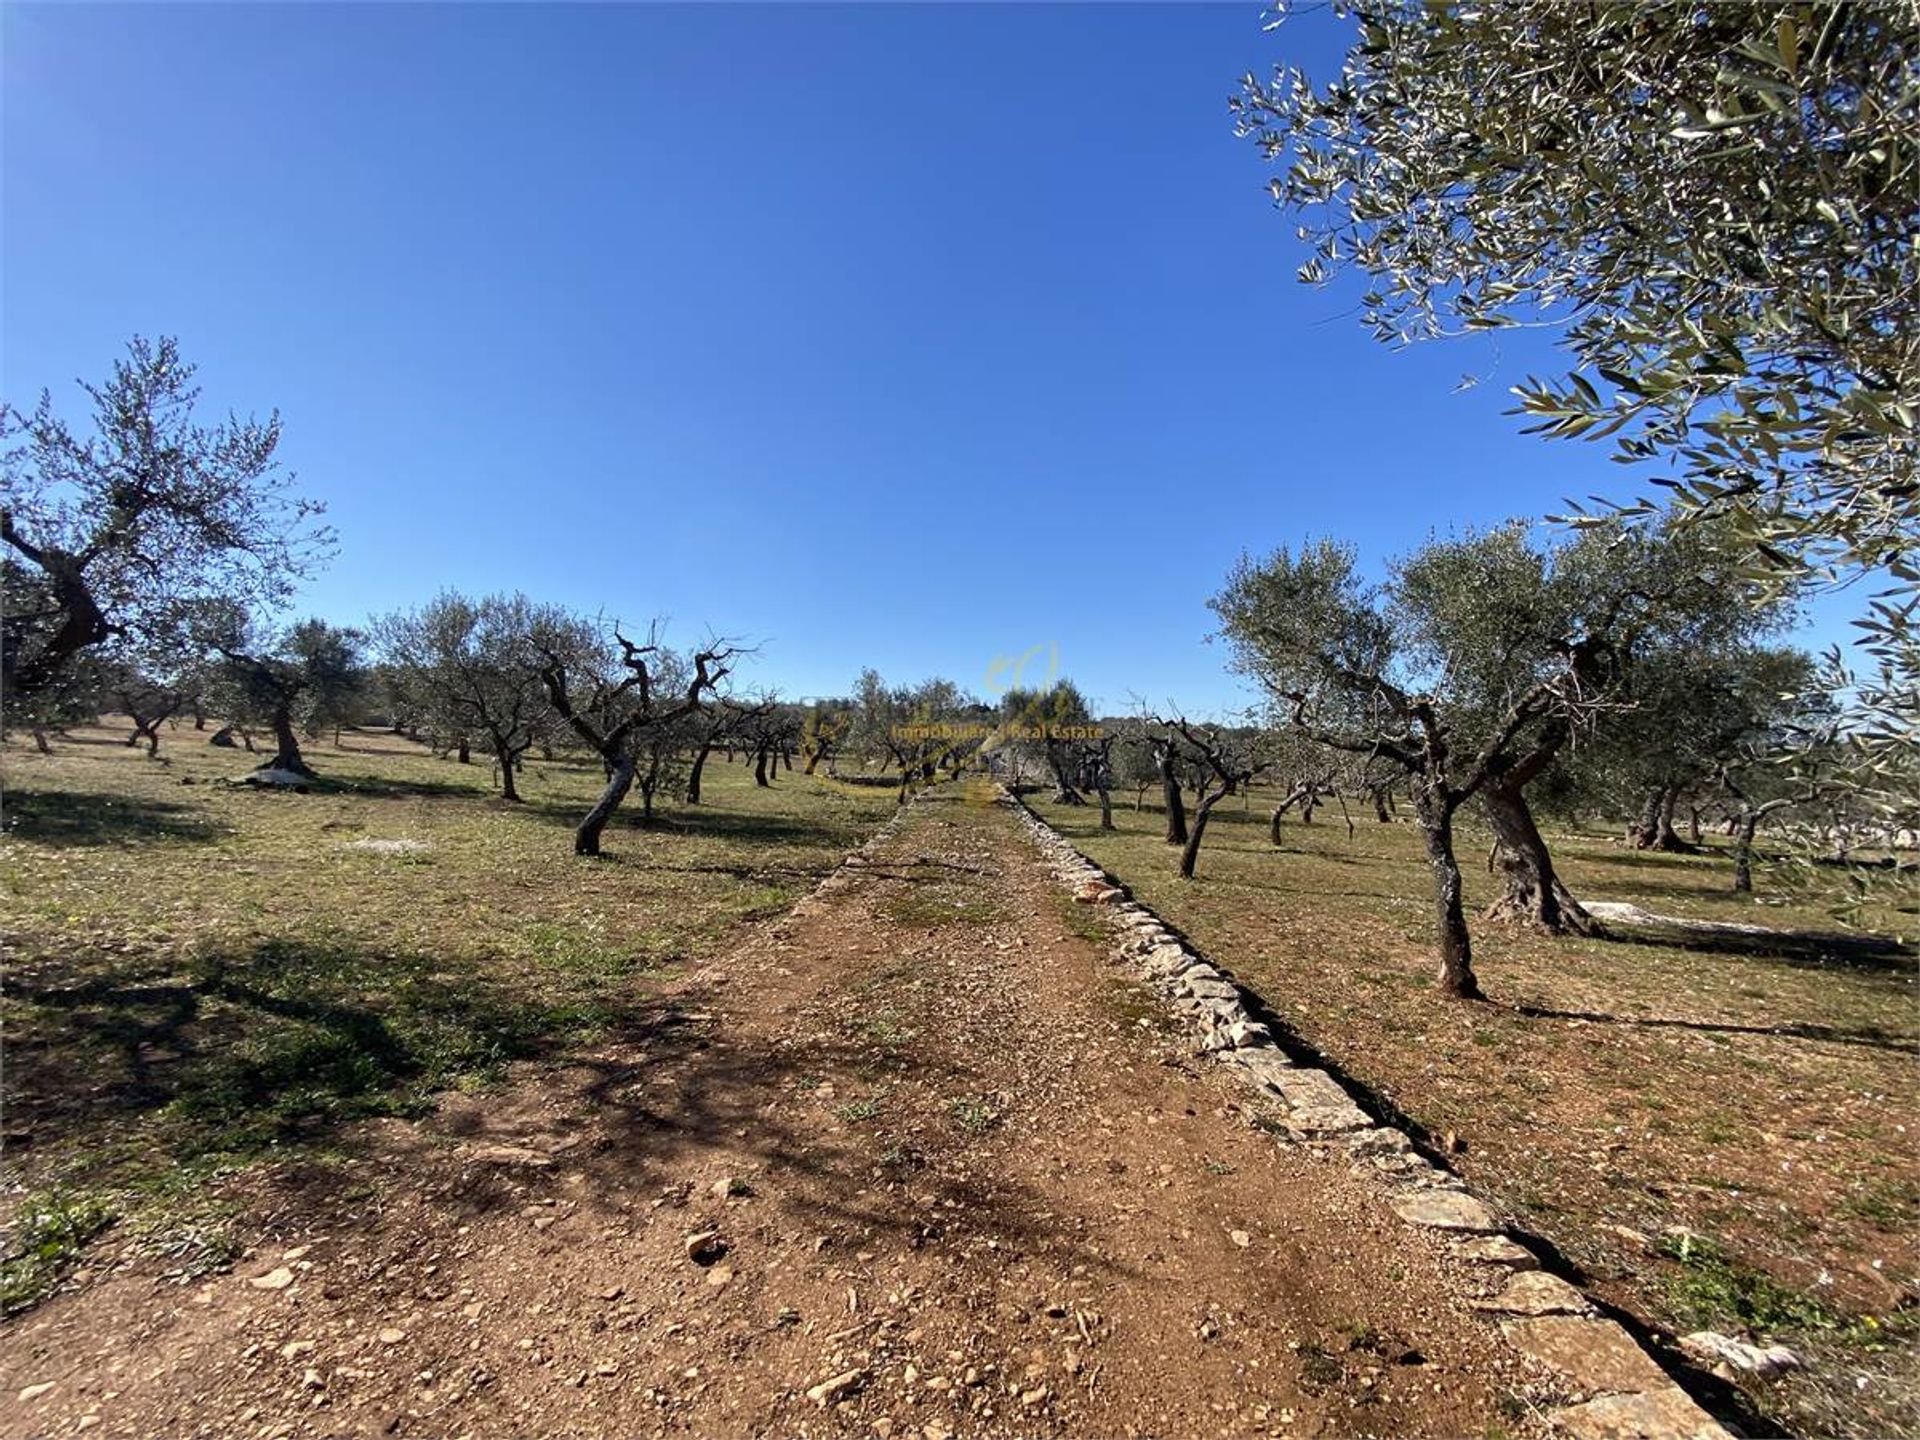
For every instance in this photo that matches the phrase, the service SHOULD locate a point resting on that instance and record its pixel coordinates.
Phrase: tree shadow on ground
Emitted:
(674, 1097)
(1800, 949)
(278, 1042)
(712, 823)
(88, 817)
(385, 787)
(1870, 1036)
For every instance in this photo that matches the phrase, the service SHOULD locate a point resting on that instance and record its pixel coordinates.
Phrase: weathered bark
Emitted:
(760, 766)
(1378, 794)
(505, 755)
(1456, 977)
(1743, 854)
(649, 784)
(1301, 795)
(1063, 791)
(464, 751)
(1653, 829)
(1106, 804)
(286, 755)
(586, 839)
(1534, 894)
(1168, 764)
(40, 740)
(1190, 852)
(83, 623)
(693, 775)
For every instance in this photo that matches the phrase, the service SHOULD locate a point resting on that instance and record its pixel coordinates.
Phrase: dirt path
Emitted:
(959, 1182)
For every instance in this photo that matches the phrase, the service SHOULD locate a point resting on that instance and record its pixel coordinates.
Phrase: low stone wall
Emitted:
(1626, 1394)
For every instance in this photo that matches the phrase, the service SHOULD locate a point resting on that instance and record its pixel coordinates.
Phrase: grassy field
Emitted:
(1716, 1137)
(202, 977)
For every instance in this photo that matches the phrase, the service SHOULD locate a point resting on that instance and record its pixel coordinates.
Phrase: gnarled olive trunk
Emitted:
(1190, 852)
(1169, 768)
(1653, 828)
(649, 783)
(693, 775)
(1456, 977)
(1743, 853)
(506, 756)
(1534, 893)
(586, 839)
(286, 754)
(1063, 791)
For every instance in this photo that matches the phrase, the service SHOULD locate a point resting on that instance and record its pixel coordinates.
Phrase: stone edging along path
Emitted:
(1540, 1314)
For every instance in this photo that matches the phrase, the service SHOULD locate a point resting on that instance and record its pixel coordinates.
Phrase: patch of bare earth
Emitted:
(908, 1162)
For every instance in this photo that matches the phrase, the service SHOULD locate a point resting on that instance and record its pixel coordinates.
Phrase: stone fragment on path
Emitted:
(1446, 1210)
(1534, 1292)
(836, 1389)
(1594, 1354)
(276, 1279)
(1496, 1250)
(34, 1392)
(1664, 1414)
(1317, 1105)
(705, 1247)
(1766, 1361)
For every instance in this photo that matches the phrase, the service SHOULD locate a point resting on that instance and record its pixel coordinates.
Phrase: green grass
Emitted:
(1708, 1288)
(202, 977)
(929, 906)
(48, 1232)
(976, 1114)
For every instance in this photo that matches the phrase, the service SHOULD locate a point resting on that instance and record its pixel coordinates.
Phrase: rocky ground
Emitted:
(916, 1160)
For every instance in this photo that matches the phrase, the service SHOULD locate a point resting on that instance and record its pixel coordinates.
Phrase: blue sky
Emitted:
(906, 336)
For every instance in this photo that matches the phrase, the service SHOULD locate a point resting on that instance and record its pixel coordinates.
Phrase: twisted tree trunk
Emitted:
(693, 775)
(1168, 765)
(1534, 894)
(1456, 977)
(586, 839)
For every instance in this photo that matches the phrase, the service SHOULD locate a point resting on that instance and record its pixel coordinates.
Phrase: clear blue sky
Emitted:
(911, 336)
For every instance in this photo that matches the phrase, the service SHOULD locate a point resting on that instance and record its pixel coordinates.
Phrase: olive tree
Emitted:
(1225, 760)
(1486, 617)
(1057, 723)
(302, 678)
(466, 667)
(119, 534)
(1710, 206)
(1325, 647)
(613, 697)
